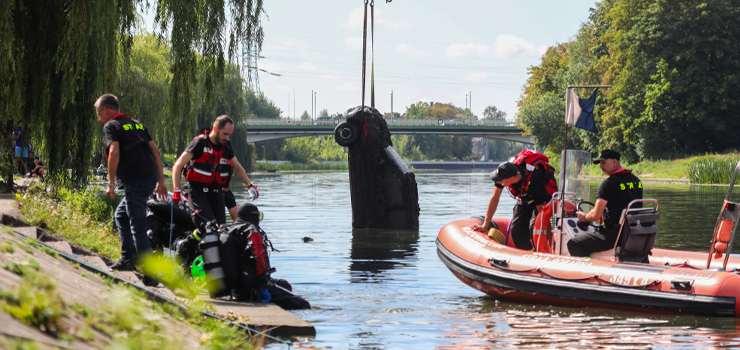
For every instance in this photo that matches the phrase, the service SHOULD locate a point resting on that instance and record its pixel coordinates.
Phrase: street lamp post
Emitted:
(264, 157)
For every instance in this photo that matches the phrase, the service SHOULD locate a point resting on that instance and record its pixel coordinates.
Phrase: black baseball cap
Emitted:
(504, 171)
(608, 154)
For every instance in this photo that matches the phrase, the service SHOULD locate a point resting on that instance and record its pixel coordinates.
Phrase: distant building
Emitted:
(480, 148)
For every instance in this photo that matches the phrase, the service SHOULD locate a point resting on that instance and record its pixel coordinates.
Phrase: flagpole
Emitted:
(565, 151)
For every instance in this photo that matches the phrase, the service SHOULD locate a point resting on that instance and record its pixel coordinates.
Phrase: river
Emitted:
(377, 289)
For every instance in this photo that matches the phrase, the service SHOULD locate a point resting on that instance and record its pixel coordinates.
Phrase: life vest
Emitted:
(211, 168)
(542, 227)
(528, 161)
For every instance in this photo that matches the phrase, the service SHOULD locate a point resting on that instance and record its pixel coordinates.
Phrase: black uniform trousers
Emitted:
(522, 224)
(587, 243)
(209, 204)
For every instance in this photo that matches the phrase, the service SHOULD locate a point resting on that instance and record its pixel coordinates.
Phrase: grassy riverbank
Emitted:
(706, 169)
(86, 218)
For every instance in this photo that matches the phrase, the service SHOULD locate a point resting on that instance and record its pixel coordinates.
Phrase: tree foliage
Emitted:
(59, 56)
(675, 71)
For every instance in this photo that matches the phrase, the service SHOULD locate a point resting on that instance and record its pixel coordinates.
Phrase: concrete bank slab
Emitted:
(268, 318)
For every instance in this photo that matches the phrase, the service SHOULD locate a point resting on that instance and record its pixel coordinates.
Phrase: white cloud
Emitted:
(476, 77)
(410, 51)
(307, 66)
(353, 43)
(347, 86)
(270, 66)
(284, 87)
(356, 20)
(466, 50)
(509, 46)
(329, 77)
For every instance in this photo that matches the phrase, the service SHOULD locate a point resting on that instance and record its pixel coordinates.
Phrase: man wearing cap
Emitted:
(619, 189)
(528, 204)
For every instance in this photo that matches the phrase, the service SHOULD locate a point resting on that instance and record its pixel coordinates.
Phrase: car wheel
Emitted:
(346, 134)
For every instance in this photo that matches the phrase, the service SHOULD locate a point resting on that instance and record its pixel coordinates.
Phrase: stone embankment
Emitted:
(86, 281)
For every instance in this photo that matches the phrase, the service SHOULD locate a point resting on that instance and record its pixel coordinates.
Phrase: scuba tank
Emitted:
(209, 245)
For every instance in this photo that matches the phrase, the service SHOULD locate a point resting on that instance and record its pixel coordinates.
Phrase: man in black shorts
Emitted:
(210, 159)
(616, 192)
(133, 159)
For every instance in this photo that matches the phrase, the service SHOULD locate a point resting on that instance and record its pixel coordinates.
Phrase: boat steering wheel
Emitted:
(589, 223)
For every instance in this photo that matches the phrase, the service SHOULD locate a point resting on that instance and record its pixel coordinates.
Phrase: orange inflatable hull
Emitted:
(673, 282)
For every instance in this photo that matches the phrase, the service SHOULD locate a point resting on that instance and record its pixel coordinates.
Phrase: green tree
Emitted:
(493, 113)
(58, 56)
(305, 116)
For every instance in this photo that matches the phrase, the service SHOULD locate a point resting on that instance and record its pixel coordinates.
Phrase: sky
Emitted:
(466, 52)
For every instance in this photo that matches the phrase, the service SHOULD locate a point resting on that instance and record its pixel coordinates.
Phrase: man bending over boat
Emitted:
(529, 179)
(615, 193)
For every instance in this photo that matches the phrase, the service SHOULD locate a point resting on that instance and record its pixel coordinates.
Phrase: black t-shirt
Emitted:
(136, 161)
(537, 193)
(619, 190)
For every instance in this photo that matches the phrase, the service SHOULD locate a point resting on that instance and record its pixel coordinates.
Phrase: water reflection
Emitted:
(374, 251)
(502, 325)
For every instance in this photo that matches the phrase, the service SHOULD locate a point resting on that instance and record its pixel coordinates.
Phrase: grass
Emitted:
(300, 166)
(83, 217)
(129, 319)
(706, 169)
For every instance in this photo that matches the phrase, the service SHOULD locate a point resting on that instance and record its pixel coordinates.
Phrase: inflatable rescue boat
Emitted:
(633, 276)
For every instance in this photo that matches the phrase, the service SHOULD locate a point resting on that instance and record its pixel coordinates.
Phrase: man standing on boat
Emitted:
(209, 159)
(530, 179)
(616, 192)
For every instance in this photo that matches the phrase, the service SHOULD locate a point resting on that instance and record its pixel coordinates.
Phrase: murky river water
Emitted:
(375, 289)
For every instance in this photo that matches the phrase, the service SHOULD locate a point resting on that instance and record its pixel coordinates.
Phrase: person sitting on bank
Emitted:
(39, 169)
(616, 192)
(530, 199)
(102, 172)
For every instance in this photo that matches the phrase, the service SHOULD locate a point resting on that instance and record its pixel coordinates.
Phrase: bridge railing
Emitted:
(391, 122)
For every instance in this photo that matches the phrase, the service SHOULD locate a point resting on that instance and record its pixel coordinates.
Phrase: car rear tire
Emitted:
(346, 134)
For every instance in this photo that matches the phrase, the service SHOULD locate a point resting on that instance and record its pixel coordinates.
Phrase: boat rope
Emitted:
(503, 265)
(172, 214)
(539, 269)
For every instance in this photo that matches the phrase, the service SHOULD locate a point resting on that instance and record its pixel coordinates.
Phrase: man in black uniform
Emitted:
(528, 204)
(210, 160)
(134, 160)
(615, 193)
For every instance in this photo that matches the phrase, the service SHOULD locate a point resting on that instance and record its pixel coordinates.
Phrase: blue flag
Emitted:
(580, 112)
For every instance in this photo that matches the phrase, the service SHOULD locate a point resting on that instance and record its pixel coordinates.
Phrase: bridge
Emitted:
(271, 129)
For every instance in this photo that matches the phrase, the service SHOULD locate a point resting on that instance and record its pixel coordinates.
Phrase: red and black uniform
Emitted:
(531, 191)
(618, 190)
(207, 173)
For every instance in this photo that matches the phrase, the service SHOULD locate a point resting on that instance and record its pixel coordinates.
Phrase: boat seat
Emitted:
(637, 232)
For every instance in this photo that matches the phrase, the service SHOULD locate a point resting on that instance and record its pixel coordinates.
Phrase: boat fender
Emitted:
(723, 235)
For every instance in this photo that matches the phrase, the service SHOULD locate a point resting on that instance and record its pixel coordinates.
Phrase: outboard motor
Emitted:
(209, 245)
(383, 189)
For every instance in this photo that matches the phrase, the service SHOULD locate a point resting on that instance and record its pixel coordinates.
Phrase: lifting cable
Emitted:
(372, 52)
